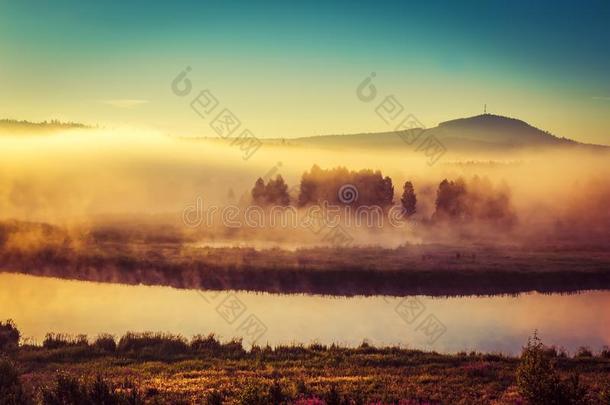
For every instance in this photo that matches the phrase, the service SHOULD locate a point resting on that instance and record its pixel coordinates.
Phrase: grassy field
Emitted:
(162, 256)
(155, 368)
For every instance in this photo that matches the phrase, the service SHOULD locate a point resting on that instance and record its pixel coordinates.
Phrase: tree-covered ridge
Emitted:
(23, 125)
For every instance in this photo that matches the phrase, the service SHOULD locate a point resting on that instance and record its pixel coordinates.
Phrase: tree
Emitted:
(539, 382)
(276, 192)
(258, 192)
(368, 187)
(409, 199)
(451, 200)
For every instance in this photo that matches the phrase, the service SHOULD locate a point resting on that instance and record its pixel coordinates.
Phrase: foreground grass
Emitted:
(168, 369)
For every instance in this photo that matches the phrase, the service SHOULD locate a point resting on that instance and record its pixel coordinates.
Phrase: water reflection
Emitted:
(499, 323)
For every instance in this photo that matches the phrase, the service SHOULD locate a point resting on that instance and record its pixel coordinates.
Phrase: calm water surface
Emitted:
(499, 323)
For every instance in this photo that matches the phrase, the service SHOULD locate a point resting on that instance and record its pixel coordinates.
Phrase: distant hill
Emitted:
(485, 132)
(16, 127)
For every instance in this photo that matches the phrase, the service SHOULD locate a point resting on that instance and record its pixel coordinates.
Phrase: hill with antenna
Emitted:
(485, 132)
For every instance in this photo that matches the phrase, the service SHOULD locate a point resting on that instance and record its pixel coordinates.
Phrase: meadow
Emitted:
(160, 368)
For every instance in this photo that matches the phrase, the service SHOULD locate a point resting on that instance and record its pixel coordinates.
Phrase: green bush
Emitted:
(540, 384)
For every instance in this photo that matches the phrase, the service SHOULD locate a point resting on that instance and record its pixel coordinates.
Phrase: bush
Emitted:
(60, 340)
(9, 336)
(605, 353)
(233, 348)
(105, 343)
(69, 391)
(208, 344)
(11, 391)
(583, 352)
(332, 397)
(252, 394)
(604, 393)
(276, 394)
(539, 383)
(153, 344)
(214, 398)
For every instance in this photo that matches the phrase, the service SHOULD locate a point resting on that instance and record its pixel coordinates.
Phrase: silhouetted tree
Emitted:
(371, 187)
(539, 382)
(477, 200)
(450, 199)
(409, 199)
(258, 192)
(275, 192)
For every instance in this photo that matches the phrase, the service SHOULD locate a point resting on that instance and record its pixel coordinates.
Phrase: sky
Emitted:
(289, 69)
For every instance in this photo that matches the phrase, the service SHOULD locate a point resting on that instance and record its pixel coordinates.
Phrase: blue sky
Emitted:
(291, 68)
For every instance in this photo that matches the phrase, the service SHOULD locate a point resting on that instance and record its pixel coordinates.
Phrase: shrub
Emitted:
(604, 393)
(153, 344)
(69, 391)
(60, 340)
(105, 343)
(11, 391)
(233, 348)
(252, 394)
(332, 397)
(276, 394)
(605, 353)
(214, 398)
(539, 383)
(572, 391)
(208, 344)
(9, 336)
(583, 352)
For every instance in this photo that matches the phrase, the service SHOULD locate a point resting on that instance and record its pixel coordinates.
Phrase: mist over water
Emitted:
(84, 177)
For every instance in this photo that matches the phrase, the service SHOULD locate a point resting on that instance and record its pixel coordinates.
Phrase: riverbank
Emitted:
(168, 369)
(434, 270)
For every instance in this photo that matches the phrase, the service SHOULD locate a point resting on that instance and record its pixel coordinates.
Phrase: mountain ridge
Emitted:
(485, 131)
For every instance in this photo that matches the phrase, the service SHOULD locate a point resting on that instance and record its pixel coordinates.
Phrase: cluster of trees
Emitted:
(50, 124)
(456, 200)
(275, 192)
(320, 185)
(477, 200)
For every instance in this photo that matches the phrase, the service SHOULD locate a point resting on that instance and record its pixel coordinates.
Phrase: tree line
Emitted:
(456, 200)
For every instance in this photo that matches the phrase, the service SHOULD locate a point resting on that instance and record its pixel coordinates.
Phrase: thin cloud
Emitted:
(124, 103)
(604, 98)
